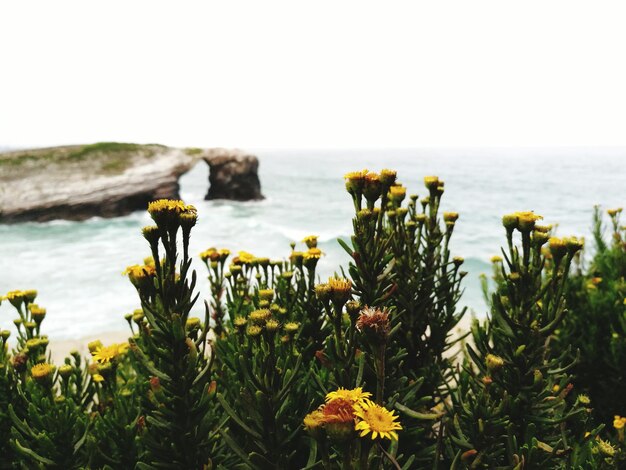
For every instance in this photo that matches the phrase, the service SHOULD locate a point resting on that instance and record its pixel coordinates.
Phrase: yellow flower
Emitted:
(254, 330)
(431, 182)
(388, 177)
(246, 257)
(606, 448)
(292, 327)
(558, 247)
(210, 254)
(493, 362)
(313, 420)
(526, 220)
(266, 294)
(97, 378)
(354, 396)
(42, 370)
(340, 289)
(104, 354)
(136, 272)
(397, 193)
(313, 253)
(496, 259)
(619, 422)
(355, 181)
(311, 241)
(375, 419)
(260, 316)
(450, 216)
(614, 212)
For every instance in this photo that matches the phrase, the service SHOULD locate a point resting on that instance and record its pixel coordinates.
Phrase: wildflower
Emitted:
(388, 177)
(431, 182)
(38, 313)
(240, 322)
(606, 448)
(245, 257)
(4, 334)
(254, 331)
(458, 261)
(140, 275)
(574, 244)
(97, 378)
(558, 248)
(193, 323)
(355, 181)
(266, 294)
(354, 396)
(340, 289)
(375, 419)
(374, 323)
(104, 354)
(16, 297)
(311, 241)
(373, 187)
(313, 422)
(313, 253)
(494, 362)
(311, 256)
(614, 212)
(151, 234)
(619, 422)
(510, 222)
(583, 399)
(260, 316)
(93, 345)
(65, 370)
(420, 218)
(272, 325)
(540, 238)
(543, 228)
(526, 220)
(496, 259)
(450, 216)
(167, 213)
(210, 254)
(397, 193)
(292, 327)
(338, 416)
(42, 373)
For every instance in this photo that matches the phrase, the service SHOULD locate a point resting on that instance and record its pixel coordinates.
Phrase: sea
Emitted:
(77, 266)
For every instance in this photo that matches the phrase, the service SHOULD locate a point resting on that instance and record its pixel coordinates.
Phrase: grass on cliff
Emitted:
(112, 157)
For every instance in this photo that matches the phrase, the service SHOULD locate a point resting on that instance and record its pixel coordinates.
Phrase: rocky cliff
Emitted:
(233, 175)
(105, 179)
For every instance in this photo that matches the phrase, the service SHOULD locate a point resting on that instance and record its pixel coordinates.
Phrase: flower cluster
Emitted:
(348, 412)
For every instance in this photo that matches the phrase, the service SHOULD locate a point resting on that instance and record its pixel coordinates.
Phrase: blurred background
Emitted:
(515, 107)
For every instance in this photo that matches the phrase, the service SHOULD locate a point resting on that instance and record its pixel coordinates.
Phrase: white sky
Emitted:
(328, 74)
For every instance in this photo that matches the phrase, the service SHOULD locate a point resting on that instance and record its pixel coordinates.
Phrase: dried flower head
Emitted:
(374, 322)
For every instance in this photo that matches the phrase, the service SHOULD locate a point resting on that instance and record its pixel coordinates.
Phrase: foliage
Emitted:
(284, 370)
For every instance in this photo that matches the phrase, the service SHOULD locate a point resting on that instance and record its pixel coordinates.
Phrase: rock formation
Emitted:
(78, 182)
(111, 179)
(233, 174)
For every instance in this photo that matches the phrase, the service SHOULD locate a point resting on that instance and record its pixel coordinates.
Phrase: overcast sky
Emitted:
(321, 74)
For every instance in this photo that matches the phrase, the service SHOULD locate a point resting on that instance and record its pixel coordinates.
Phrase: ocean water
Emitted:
(77, 266)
